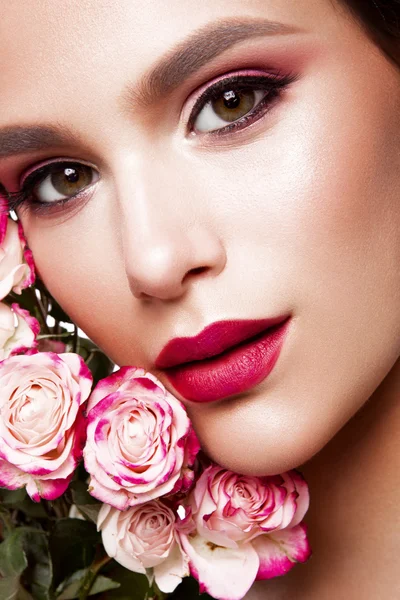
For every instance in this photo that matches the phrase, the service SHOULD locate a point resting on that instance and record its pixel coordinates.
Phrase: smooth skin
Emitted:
(297, 213)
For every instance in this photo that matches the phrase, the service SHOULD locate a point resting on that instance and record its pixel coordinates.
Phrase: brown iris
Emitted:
(234, 105)
(69, 180)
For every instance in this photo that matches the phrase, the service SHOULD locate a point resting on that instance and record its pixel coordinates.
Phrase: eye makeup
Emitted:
(27, 196)
(270, 84)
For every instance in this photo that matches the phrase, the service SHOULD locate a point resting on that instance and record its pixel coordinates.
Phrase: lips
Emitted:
(227, 357)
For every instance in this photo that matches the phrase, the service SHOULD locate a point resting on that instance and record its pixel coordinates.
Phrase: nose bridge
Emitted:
(166, 239)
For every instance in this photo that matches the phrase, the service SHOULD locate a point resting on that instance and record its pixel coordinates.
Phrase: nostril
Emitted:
(197, 270)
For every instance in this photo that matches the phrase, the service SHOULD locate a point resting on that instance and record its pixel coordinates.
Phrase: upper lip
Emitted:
(213, 340)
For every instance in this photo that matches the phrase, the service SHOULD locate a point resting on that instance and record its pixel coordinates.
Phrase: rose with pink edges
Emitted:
(140, 443)
(16, 261)
(144, 537)
(241, 528)
(18, 330)
(42, 425)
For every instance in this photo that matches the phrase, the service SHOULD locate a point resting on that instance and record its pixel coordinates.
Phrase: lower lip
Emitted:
(232, 372)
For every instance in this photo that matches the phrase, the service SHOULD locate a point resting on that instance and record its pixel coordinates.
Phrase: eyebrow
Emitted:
(18, 139)
(169, 73)
(194, 52)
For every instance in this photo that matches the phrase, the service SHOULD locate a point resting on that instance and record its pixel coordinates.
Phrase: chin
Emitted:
(259, 452)
(253, 439)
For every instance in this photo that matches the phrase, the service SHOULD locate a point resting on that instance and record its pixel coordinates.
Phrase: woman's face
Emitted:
(279, 198)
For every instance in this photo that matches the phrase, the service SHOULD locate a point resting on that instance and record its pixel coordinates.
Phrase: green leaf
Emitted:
(19, 499)
(32, 509)
(13, 559)
(133, 586)
(39, 574)
(89, 511)
(69, 589)
(72, 545)
(85, 503)
(12, 497)
(103, 584)
(25, 553)
(80, 494)
(9, 588)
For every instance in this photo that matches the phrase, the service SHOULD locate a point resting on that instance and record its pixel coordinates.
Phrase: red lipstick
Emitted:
(226, 358)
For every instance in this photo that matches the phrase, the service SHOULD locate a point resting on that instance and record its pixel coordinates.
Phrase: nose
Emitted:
(168, 241)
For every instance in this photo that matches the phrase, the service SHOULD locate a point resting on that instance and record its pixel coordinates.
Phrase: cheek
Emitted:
(323, 239)
(79, 260)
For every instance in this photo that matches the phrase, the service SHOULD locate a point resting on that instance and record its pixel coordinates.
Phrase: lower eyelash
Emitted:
(22, 201)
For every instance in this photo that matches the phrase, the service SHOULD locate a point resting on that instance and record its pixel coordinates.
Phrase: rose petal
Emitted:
(49, 489)
(281, 550)
(170, 572)
(224, 573)
(11, 477)
(303, 499)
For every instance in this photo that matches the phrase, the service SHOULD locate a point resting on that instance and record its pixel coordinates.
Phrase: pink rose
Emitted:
(140, 444)
(244, 528)
(42, 426)
(18, 330)
(144, 537)
(16, 262)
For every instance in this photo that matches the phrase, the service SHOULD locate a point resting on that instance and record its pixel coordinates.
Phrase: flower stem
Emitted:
(91, 574)
(75, 347)
(55, 335)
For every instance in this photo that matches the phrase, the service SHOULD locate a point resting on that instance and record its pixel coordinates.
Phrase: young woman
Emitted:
(228, 170)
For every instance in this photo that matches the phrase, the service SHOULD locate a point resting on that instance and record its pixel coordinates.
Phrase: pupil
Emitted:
(71, 175)
(231, 99)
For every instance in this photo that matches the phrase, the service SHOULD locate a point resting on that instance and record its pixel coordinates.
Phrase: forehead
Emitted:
(76, 41)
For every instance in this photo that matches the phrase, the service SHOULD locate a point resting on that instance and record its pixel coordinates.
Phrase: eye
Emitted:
(235, 102)
(53, 184)
(229, 107)
(63, 182)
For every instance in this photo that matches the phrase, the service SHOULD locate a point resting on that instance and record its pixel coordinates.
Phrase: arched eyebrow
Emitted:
(169, 73)
(18, 139)
(194, 52)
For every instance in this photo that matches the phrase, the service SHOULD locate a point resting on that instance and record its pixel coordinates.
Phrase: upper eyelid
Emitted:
(18, 200)
(250, 78)
(202, 91)
(46, 165)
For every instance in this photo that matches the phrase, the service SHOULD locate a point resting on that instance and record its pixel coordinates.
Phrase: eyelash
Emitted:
(272, 84)
(24, 197)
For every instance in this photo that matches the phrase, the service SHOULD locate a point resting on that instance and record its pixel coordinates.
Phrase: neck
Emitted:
(354, 516)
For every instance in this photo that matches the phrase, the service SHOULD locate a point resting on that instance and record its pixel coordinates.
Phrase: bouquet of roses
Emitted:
(104, 489)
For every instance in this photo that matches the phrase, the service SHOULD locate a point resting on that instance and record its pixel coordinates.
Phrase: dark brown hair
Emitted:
(381, 18)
